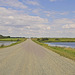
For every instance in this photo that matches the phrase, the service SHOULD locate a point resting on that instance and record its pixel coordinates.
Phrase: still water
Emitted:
(6, 42)
(62, 44)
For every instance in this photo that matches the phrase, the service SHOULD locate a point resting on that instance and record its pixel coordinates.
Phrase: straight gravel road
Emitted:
(29, 58)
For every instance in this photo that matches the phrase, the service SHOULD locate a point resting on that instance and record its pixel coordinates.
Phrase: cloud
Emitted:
(52, 13)
(48, 28)
(63, 13)
(67, 26)
(36, 11)
(21, 24)
(49, 13)
(19, 19)
(73, 11)
(10, 17)
(12, 3)
(32, 3)
(63, 25)
(53, 0)
(64, 21)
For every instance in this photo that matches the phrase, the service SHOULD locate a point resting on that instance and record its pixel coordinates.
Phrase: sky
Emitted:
(37, 18)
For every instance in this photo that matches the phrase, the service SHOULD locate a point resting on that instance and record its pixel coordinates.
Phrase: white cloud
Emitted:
(44, 27)
(4, 11)
(73, 11)
(69, 26)
(15, 23)
(63, 27)
(52, 0)
(18, 23)
(49, 13)
(55, 0)
(52, 13)
(19, 19)
(63, 21)
(48, 28)
(10, 17)
(33, 3)
(36, 11)
(12, 3)
(63, 13)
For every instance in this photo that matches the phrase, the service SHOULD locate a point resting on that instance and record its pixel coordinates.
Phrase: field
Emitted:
(63, 51)
(11, 39)
(19, 40)
(56, 39)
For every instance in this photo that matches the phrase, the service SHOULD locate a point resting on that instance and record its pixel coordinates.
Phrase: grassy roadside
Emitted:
(66, 52)
(19, 40)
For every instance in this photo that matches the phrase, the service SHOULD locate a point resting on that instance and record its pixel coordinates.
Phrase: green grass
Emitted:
(63, 51)
(12, 39)
(58, 40)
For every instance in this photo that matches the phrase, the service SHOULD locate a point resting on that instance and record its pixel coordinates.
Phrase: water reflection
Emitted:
(6, 42)
(62, 44)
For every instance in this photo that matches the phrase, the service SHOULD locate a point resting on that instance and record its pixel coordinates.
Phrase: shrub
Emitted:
(2, 45)
(18, 39)
(43, 39)
(38, 39)
(56, 39)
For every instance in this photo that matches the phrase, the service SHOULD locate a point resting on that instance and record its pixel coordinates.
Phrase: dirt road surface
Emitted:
(29, 58)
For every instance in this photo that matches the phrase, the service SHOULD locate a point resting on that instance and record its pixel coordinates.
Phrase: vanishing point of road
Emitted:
(29, 58)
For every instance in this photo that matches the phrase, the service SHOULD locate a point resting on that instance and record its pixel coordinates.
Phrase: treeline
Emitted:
(18, 37)
(42, 39)
(1, 36)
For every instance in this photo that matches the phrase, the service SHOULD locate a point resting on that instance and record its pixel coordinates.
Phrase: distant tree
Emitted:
(56, 39)
(18, 39)
(43, 39)
(38, 39)
(2, 45)
(1, 36)
(8, 36)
